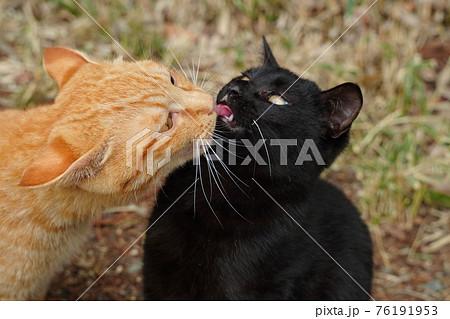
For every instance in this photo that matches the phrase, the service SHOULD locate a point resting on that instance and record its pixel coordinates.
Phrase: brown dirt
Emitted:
(406, 268)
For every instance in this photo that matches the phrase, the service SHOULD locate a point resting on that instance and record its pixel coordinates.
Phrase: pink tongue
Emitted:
(223, 110)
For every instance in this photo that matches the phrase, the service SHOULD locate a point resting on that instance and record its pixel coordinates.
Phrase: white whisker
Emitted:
(265, 146)
(225, 139)
(193, 71)
(210, 79)
(197, 164)
(226, 149)
(228, 171)
(179, 64)
(198, 66)
(188, 68)
(210, 160)
(204, 77)
(206, 198)
(223, 193)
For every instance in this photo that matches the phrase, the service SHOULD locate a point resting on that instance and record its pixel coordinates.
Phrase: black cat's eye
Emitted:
(277, 100)
(245, 77)
(273, 98)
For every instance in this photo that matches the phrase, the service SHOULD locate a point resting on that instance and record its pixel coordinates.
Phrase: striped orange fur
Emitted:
(63, 163)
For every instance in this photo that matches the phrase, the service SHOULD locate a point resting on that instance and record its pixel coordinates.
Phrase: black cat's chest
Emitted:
(197, 260)
(194, 260)
(189, 258)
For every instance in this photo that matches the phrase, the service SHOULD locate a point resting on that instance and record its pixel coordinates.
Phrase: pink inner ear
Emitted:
(50, 164)
(61, 63)
(223, 110)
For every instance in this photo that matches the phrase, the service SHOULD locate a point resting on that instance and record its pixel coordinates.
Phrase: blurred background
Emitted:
(395, 169)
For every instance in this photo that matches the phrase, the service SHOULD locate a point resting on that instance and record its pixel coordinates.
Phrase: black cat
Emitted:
(262, 225)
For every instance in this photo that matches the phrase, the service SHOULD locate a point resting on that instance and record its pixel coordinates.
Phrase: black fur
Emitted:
(263, 254)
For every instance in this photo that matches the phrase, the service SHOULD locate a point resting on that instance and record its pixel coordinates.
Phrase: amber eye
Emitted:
(278, 100)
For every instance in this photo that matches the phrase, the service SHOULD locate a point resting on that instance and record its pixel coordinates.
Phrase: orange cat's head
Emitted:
(117, 127)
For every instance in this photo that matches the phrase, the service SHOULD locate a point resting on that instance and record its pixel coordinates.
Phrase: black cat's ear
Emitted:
(269, 59)
(342, 105)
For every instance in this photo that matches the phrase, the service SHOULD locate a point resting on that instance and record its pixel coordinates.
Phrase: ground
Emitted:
(409, 263)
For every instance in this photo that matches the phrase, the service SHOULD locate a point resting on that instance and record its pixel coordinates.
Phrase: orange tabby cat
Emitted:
(63, 163)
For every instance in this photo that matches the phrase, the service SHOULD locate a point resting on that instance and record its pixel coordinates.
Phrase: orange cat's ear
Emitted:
(61, 63)
(58, 163)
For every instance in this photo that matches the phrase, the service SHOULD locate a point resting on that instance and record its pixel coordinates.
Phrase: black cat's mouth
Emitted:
(224, 112)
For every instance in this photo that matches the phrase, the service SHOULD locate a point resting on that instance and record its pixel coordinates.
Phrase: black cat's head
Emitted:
(292, 114)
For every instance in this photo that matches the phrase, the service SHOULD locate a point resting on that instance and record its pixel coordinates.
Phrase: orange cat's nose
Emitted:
(201, 104)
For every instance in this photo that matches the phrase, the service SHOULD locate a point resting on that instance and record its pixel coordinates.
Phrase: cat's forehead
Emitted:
(276, 79)
(266, 75)
(142, 66)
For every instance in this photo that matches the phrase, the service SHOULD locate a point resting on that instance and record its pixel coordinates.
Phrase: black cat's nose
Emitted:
(234, 89)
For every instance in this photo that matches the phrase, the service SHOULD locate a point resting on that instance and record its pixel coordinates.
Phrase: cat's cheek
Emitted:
(150, 119)
(106, 182)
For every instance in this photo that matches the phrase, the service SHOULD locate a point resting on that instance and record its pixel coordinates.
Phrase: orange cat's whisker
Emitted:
(179, 64)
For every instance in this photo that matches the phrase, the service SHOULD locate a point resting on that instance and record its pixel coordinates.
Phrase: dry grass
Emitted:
(399, 153)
